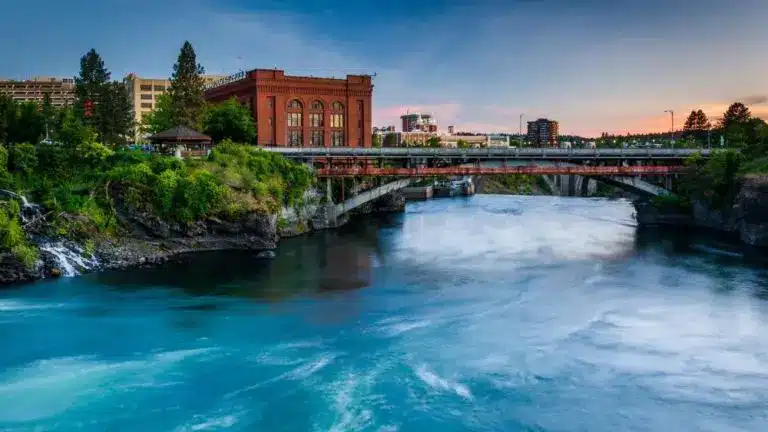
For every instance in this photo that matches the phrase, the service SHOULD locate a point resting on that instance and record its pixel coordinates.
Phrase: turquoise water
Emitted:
(483, 314)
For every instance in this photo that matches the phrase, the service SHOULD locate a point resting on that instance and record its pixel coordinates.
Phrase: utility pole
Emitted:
(672, 132)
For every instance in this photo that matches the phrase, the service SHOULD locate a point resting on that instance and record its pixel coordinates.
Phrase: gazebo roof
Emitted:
(179, 133)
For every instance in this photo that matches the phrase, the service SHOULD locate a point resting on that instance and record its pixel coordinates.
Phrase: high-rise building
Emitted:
(61, 90)
(418, 123)
(304, 111)
(543, 132)
(143, 93)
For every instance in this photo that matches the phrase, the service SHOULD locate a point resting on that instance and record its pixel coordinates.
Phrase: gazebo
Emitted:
(182, 139)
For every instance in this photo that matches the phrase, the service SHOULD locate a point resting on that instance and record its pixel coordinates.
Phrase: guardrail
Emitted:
(530, 170)
(491, 152)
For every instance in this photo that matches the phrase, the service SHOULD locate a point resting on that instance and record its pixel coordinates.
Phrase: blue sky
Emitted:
(594, 65)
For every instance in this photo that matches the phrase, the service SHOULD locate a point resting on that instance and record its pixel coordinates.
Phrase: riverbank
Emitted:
(746, 220)
(146, 240)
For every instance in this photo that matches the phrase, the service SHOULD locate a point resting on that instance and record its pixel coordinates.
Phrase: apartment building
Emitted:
(543, 132)
(61, 90)
(143, 93)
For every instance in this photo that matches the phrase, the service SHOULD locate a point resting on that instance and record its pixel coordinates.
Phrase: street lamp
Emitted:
(520, 132)
(672, 133)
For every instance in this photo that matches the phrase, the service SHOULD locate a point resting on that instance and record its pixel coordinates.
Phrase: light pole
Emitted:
(520, 132)
(672, 132)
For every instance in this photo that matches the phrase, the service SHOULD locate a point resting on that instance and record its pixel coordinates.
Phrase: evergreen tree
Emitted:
(690, 122)
(116, 117)
(186, 91)
(110, 114)
(89, 87)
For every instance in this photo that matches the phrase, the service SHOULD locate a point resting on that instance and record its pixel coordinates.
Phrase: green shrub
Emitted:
(23, 158)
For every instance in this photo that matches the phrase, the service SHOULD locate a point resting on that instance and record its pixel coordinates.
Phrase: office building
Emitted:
(303, 111)
(61, 90)
(542, 132)
(143, 92)
(418, 123)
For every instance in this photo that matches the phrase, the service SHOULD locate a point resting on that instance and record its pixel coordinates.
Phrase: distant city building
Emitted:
(298, 111)
(383, 130)
(143, 93)
(450, 130)
(542, 132)
(61, 90)
(418, 123)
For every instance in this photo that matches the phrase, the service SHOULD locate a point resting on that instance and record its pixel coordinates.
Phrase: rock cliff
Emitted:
(746, 219)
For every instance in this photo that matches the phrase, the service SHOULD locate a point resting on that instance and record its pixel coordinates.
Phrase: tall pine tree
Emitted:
(186, 91)
(110, 113)
(89, 87)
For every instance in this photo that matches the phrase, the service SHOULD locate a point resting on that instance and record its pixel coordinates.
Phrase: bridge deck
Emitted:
(526, 153)
(479, 170)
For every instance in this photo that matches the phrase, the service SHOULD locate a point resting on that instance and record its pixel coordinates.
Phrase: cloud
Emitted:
(754, 100)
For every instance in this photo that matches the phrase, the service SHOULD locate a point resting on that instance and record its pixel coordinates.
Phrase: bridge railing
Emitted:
(490, 152)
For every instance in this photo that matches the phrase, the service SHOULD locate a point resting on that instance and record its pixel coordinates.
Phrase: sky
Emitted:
(594, 65)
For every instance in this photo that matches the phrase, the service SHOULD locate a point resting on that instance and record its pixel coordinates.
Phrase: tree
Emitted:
(89, 86)
(390, 140)
(186, 91)
(376, 140)
(696, 122)
(229, 120)
(100, 103)
(116, 118)
(736, 114)
(48, 112)
(433, 142)
(160, 118)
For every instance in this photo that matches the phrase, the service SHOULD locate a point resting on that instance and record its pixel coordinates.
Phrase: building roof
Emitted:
(179, 133)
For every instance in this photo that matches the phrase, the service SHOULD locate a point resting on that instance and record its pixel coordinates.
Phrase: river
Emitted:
(487, 313)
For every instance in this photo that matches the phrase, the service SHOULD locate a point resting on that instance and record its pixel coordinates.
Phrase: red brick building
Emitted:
(303, 111)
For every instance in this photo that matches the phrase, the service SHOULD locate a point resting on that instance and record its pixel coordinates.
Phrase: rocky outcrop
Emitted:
(149, 240)
(12, 270)
(746, 219)
(751, 211)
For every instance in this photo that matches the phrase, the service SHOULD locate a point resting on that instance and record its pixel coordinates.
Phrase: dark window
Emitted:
(294, 138)
(337, 106)
(146, 87)
(317, 138)
(159, 88)
(337, 138)
(146, 105)
(316, 119)
(317, 105)
(294, 119)
(294, 104)
(145, 96)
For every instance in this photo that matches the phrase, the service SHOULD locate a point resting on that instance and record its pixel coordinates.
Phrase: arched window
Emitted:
(294, 123)
(337, 115)
(316, 115)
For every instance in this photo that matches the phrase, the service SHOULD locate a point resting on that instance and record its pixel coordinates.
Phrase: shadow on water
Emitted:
(316, 264)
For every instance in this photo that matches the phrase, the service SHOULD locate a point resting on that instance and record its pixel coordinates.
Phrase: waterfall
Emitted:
(70, 258)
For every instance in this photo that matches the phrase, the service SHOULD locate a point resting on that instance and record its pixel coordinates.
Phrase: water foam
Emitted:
(439, 383)
(45, 388)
